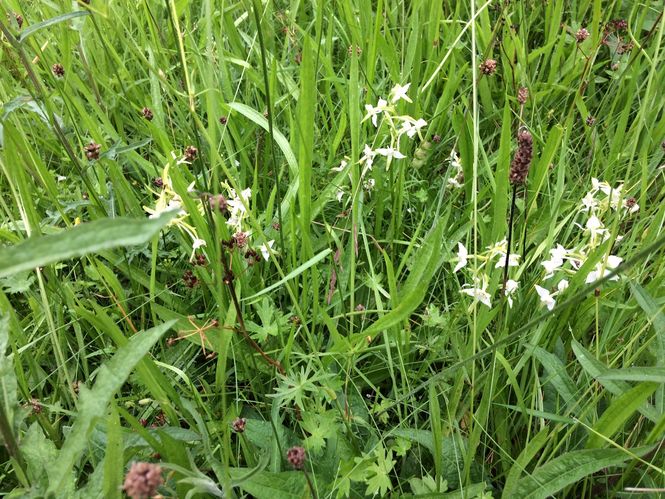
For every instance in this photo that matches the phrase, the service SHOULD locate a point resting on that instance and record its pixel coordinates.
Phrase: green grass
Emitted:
(130, 339)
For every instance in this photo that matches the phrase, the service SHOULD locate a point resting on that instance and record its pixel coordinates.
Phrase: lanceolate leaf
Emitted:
(427, 261)
(78, 241)
(93, 403)
(50, 22)
(618, 412)
(565, 470)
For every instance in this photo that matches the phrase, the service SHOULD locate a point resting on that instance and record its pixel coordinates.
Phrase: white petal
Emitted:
(265, 249)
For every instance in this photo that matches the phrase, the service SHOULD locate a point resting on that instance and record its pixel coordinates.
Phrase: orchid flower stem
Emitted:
(510, 238)
(241, 322)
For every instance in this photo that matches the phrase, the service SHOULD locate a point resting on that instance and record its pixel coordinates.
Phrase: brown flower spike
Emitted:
(522, 95)
(143, 480)
(519, 168)
(58, 70)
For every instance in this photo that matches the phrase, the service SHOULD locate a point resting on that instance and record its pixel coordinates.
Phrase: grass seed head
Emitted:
(488, 67)
(522, 95)
(191, 153)
(92, 150)
(581, 35)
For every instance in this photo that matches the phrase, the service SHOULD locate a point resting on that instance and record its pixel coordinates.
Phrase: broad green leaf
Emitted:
(50, 22)
(286, 484)
(598, 370)
(78, 241)
(427, 261)
(550, 478)
(618, 412)
(93, 403)
(526, 456)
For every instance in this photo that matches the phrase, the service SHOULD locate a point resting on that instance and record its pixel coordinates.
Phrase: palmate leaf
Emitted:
(78, 241)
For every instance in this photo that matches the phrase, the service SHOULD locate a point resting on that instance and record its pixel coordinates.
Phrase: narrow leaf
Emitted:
(50, 22)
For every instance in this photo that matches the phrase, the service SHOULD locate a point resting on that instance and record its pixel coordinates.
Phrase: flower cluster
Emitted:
(234, 206)
(561, 262)
(456, 178)
(493, 257)
(399, 125)
(598, 202)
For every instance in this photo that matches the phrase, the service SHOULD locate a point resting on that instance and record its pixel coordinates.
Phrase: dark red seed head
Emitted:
(488, 67)
(296, 456)
(58, 70)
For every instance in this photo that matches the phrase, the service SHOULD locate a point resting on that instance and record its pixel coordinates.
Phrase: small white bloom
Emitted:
(454, 160)
(197, 243)
(265, 249)
(589, 202)
(369, 184)
(545, 297)
(399, 92)
(563, 284)
(559, 252)
(454, 182)
(479, 293)
(614, 261)
(340, 195)
(374, 112)
(513, 260)
(410, 127)
(368, 157)
(595, 228)
(390, 153)
(341, 166)
(601, 267)
(511, 287)
(462, 256)
(552, 266)
(61, 178)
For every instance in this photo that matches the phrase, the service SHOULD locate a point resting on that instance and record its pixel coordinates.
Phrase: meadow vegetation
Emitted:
(345, 248)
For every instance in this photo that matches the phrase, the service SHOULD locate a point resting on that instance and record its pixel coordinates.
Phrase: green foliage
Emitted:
(329, 185)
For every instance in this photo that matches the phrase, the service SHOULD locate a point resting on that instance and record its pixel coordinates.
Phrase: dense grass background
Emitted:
(353, 339)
